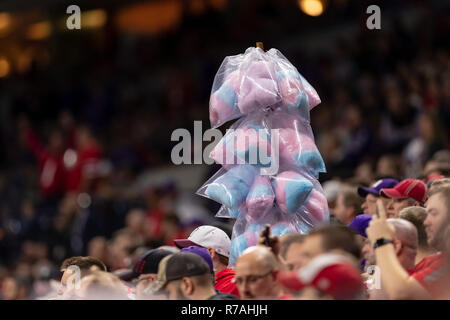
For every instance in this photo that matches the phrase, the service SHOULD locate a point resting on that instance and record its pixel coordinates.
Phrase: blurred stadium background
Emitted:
(103, 101)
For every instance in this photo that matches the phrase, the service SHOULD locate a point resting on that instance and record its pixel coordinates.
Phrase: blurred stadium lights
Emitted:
(4, 67)
(5, 23)
(312, 7)
(93, 19)
(197, 6)
(150, 17)
(23, 62)
(218, 4)
(39, 31)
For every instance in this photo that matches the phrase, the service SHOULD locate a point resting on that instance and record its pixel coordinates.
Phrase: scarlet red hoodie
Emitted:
(224, 282)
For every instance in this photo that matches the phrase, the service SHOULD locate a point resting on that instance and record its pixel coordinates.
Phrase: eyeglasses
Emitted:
(251, 279)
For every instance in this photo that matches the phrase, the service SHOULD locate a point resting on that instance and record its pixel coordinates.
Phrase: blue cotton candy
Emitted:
(300, 107)
(240, 243)
(296, 193)
(311, 159)
(256, 227)
(260, 198)
(232, 188)
(281, 229)
(227, 95)
(234, 213)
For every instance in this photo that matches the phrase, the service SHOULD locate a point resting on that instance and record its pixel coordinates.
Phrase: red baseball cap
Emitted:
(408, 188)
(329, 273)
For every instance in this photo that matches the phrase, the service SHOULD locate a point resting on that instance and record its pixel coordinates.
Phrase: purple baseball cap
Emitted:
(360, 224)
(202, 252)
(376, 187)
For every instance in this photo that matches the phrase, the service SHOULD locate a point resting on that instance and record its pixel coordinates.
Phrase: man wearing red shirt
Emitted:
(218, 244)
(431, 278)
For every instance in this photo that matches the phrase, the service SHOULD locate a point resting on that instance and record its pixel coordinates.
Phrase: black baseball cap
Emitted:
(148, 263)
(177, 266)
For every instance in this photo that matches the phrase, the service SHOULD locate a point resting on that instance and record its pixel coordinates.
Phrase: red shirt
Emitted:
(224, 282)
(285, 296)
(52, 172)
(84, 167)
(433, 274)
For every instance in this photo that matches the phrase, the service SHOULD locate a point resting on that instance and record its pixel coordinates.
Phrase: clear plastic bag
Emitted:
(230, 187)
(269, 139)
(255, 80)
(246, 233)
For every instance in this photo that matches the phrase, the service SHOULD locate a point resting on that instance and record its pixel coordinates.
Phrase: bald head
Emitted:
(405, 231)
(260, 255)
(406, 241)
(256, 271)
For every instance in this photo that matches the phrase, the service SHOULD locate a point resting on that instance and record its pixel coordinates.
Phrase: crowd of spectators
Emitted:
(77, 133)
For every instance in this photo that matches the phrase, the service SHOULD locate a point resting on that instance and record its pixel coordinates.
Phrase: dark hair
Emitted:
(352, 199)
(287, 240)
(203, 280)
(337, 236)
(84, 263)
(222, 259)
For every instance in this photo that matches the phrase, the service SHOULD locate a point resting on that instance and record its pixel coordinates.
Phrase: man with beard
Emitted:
(186, 276)
(429, 279)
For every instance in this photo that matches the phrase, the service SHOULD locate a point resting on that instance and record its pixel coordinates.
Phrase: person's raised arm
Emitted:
(397, 283)
(31, 139)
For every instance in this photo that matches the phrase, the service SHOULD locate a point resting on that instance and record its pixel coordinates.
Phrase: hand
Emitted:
(274, 242)
(379, 227)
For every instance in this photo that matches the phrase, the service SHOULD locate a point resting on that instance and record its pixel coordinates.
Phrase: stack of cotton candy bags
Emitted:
(270, 162)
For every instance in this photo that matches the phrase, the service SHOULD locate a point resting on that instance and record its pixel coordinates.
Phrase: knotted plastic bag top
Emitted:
(255, 80)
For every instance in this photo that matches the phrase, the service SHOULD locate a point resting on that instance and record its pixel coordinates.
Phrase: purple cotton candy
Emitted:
(317, 206)
(260, 197)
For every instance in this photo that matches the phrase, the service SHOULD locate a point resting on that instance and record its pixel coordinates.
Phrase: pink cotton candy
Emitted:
(260, 197)
(292, 143)
(288, 144)
(219, 154)
(257, 94)
(258, 87)
(248, 144)
(291, 190)
(261, 70)
(219, 110)
(290, 89)
(317, 206)
(223, 102)
(313, 97)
